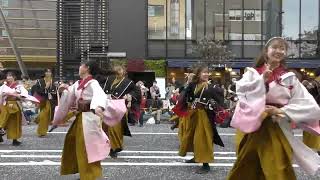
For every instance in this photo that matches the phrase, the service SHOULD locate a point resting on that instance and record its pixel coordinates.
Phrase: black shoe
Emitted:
(113, 154)
(1, 139)
(53, 128)
(174, 127)
(319, 153)
(190, 161)
(2, 132)
(140, 125)
(16, 143)
(203, 170)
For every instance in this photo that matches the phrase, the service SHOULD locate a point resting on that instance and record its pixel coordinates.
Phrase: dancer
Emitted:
(85, 144)
(10, 110)
(46, 91)
(175, 118)
(2, 78)
(197, 129)
(313, 86)
(270, 97)
(119, 87)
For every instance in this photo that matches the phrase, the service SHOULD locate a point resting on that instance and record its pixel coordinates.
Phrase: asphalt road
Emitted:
(150, 154)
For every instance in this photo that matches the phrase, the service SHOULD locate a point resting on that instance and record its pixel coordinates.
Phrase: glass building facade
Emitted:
(175, 26)
(33, 28)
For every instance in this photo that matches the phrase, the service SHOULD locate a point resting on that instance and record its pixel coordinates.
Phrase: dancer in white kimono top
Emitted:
(270, 98)
(11, 115)
(86, 144)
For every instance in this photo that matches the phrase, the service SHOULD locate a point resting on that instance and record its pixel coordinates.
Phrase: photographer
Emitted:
(156, 102)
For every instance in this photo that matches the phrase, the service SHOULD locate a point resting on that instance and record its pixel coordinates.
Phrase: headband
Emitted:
(271, 39)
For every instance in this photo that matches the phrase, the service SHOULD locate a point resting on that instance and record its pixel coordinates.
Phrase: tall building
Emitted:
(33, 27)
(90, 28)
(158, 29)
(82, 33)
(245, 25)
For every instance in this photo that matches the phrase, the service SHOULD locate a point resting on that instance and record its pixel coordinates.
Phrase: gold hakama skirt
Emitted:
(11, 120)
(44, 118)
(264, 154)
(196, 135)
(115, 135)
(74, 156)
(311, 140)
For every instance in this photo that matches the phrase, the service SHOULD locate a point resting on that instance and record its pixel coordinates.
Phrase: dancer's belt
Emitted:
(84, 105)
(12, 99)
(275, 105)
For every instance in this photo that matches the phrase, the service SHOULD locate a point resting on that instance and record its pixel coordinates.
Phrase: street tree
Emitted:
(310, 47)
(214, 52)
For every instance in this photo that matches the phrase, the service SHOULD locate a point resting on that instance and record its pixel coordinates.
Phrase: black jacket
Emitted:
(40, 88)
(126, 86)
(209, 95)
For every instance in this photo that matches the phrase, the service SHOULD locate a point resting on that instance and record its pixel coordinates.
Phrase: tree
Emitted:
(213, 51)
(310, 48)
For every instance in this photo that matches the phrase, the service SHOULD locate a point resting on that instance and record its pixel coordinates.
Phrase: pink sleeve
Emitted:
(252, 99)
(67, 99)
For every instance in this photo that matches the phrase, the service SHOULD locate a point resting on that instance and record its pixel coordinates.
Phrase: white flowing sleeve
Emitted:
(66, 101)
(1, 97)
(251, 92)
(99, 98)
(23, 91)
(301, 107)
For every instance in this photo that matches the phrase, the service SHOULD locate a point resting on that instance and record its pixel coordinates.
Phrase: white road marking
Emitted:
(146, 152)
(144, 133)
(120, 157)
(52, 163)
(29, 150)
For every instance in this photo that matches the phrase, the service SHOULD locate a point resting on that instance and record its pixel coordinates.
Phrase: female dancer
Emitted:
(10, 111)
(85, 144)
(47, 91)
(269, 95)
(313, 86)
(119, 87)
(197, 129)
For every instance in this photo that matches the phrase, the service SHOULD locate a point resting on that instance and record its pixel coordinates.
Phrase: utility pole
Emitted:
(13, 45)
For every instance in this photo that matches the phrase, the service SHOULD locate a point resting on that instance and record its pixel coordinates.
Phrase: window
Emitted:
(4, 33)
(309, 19)
(291, 19)
(5, 3)
(155, 10)
(235, 36)
(252, 36)
(235, 15)
(174, 17)
(271, 18)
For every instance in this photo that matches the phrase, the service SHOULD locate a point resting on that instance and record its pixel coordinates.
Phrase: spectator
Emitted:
(156, 102)
(144, 91)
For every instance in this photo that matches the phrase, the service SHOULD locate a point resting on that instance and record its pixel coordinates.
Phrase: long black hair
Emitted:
(93, 67)
(13, 74)
(2, 76)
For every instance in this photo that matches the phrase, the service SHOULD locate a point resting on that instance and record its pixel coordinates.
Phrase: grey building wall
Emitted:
(127, 23)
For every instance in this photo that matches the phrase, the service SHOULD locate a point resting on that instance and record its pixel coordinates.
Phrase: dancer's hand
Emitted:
(267, 73)
(276, 113)
(62, 87)
(99, 111)
(272, 110)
